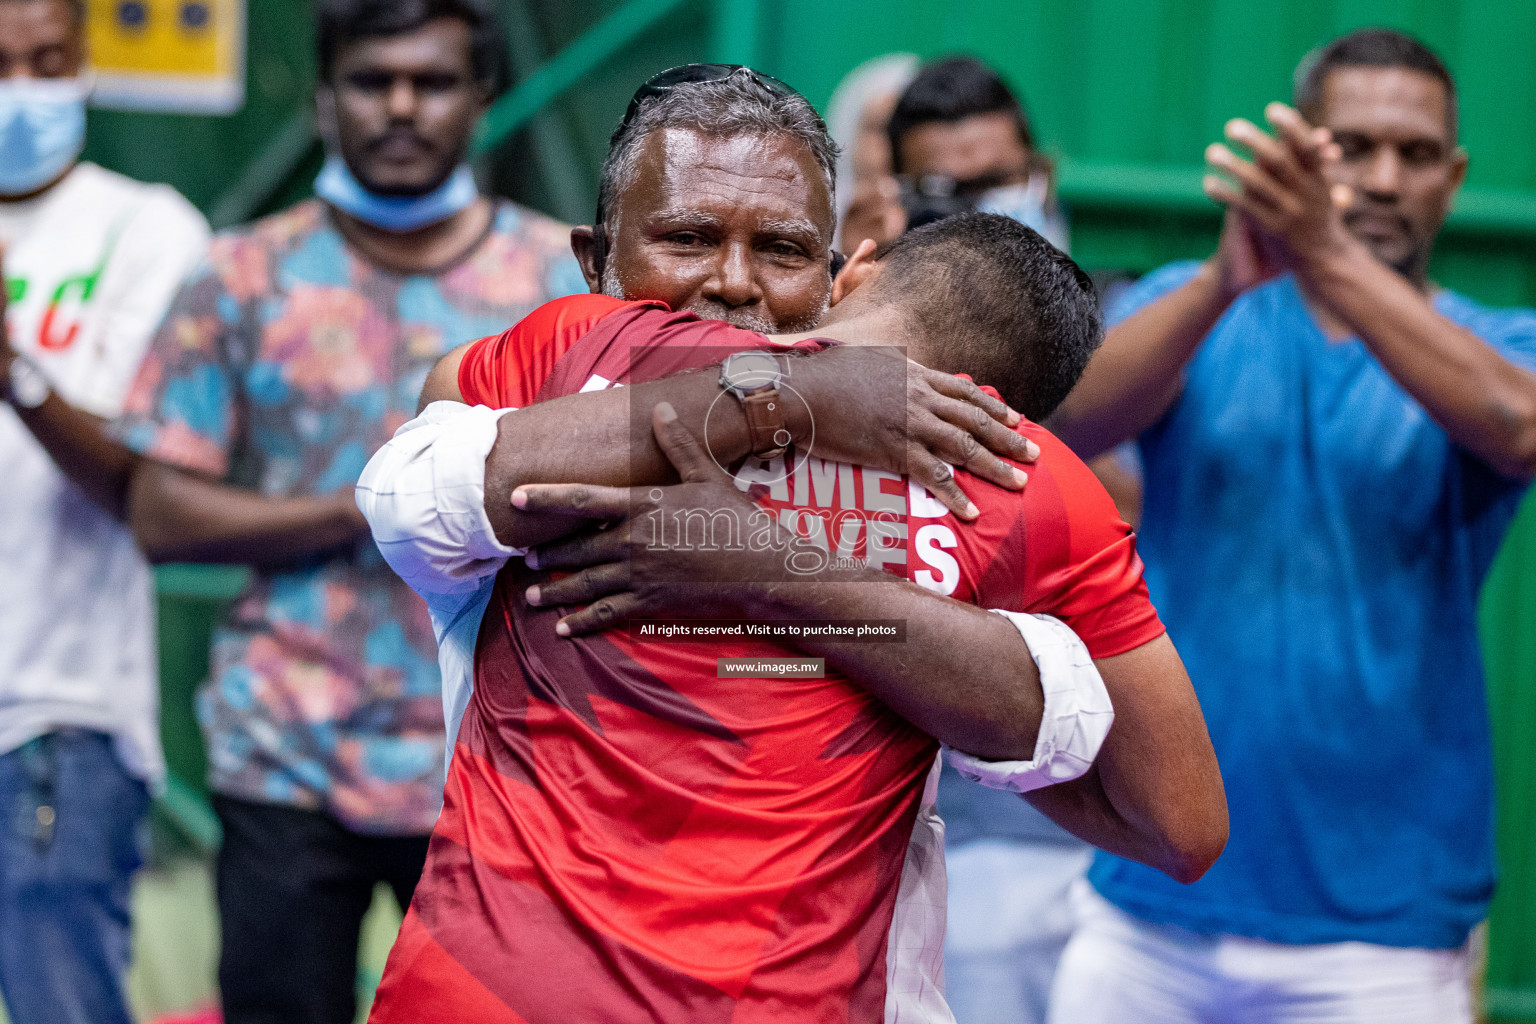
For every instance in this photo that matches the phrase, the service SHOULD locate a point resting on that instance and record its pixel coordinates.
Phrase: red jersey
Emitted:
(626, 836)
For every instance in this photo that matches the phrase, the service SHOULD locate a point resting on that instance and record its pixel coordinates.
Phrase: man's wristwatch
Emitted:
(26, 385)
(754, 378)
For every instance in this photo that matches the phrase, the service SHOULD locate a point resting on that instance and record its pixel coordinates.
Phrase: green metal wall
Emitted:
(1126, 93)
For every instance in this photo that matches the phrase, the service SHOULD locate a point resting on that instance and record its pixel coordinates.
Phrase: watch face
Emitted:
(746, 371)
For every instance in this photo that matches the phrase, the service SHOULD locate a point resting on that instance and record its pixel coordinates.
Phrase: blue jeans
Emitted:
(70, 819)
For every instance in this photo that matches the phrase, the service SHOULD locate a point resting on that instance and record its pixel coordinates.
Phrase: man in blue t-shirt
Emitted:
(1334, 447)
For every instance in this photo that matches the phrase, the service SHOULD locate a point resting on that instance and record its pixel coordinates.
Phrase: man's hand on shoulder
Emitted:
(1292, 214)
(874, 407)
(699, 548)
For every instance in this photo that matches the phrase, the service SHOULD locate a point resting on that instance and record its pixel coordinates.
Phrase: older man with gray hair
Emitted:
(718, 199)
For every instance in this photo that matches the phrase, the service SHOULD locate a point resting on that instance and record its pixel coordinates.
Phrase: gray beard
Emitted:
(746, 319)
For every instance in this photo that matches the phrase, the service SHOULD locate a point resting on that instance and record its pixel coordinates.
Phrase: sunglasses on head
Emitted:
(664, 82)
(696, 74)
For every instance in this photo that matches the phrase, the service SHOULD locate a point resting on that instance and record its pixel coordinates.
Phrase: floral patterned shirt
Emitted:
(281, 367)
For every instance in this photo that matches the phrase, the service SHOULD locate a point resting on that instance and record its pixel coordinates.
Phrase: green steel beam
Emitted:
(1151, 187)
(564, 173)
(266, 171)
(201, 582)
(517, 107)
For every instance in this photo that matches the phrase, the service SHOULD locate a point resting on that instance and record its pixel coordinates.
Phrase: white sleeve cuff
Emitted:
(423, 495)
(1077, 715)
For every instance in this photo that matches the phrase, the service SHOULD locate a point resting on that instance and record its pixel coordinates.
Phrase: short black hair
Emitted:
(950, 90)
(1370, 48)
(998, 302)
(346, 21)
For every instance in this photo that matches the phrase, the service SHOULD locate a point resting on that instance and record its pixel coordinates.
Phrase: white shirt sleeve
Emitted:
(423, 495)
(162, 241)
(1077, 717)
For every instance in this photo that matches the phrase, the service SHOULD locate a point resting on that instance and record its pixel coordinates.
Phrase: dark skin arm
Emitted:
(179, 516)
(850, 407)
(1154, 795)
(991, 701)
(1283, 214)
(78, 444)
(1483, 401)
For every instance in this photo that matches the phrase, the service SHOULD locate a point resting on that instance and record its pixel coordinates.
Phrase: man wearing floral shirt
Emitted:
(280, 368)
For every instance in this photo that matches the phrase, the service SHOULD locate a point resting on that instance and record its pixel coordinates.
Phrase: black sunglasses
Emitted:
(695, 74)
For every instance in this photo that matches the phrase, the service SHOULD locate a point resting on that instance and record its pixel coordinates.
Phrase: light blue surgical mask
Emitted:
(338, 186)
(1030, 205)
(42, 130)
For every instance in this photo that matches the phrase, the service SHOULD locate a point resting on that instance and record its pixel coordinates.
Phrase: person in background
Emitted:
(856, 117)
(91, 261)
(958, 139)
(716, 198)
(961, 140)
(292, 356)
(1334, 447)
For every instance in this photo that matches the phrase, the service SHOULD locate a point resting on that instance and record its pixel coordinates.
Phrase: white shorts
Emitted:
(1010, 916)
(1119, 969)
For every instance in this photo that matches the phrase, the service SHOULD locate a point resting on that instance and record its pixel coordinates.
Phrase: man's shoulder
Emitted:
(240, 258)
(1060, 547)
(1122, 301)
(96, 189)
(566, 320)
(1075, 492)
(507, 369)
(1063, 499)
(276, 229)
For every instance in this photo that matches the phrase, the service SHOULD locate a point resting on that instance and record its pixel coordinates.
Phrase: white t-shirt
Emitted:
(92, 266)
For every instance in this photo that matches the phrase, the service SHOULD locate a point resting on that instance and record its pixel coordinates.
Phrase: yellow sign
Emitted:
(183, 56)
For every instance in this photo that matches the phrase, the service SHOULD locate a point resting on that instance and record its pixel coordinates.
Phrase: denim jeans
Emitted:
(70, 820)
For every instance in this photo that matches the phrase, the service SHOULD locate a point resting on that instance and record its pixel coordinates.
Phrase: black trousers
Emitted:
(293, 886)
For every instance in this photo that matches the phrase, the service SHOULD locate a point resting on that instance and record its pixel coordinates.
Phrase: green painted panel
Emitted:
(1128, 92)
(202, 156)
(1508, 612)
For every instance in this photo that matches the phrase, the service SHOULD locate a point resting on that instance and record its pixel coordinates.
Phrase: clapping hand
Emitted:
(1283, 212)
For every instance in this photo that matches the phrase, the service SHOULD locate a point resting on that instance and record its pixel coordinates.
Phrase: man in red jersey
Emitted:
(628, 837)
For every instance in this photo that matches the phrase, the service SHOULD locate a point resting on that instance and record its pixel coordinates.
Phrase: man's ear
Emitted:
(1460, 161)
(591, 252)
(861, 268)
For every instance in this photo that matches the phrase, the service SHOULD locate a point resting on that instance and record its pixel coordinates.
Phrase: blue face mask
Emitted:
(42, 130)
(1028, 204)
(338, 186)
